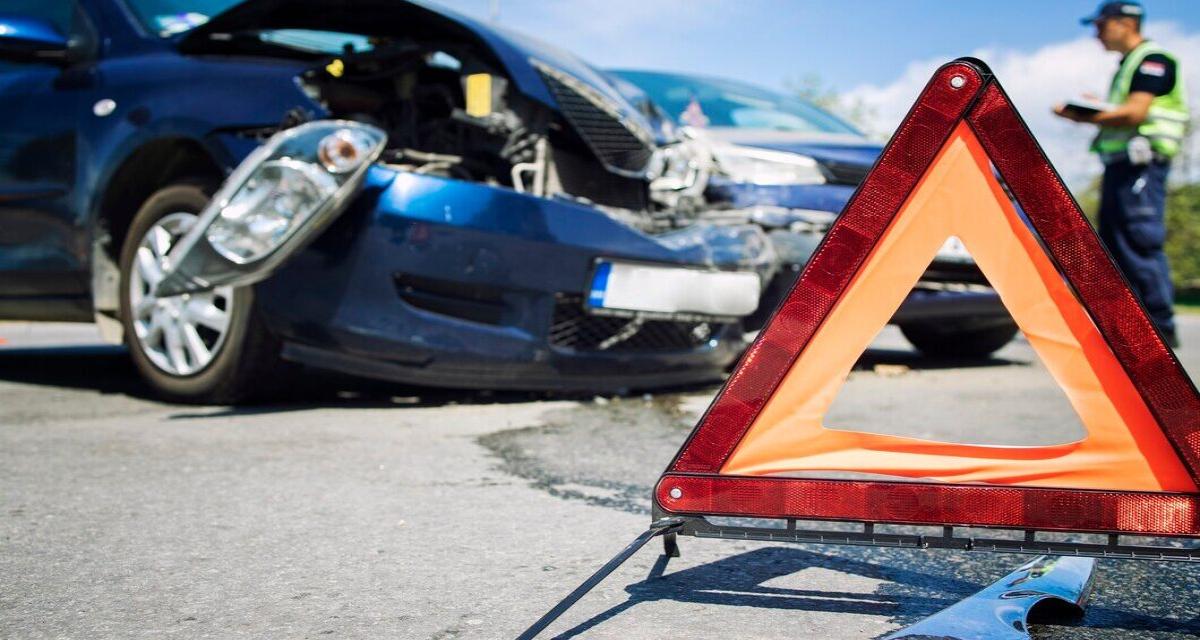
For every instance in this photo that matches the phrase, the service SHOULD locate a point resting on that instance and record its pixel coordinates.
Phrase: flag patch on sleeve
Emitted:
(1152, 68)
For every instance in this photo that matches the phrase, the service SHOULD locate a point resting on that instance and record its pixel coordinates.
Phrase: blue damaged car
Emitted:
(796, 165)
(375, 187)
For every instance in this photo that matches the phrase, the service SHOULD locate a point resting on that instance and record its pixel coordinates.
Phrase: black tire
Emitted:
(246, 361)
(959, 341)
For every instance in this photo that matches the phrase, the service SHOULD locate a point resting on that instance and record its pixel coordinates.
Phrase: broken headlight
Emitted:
(277, 199)
(294, 179)
(765, 167)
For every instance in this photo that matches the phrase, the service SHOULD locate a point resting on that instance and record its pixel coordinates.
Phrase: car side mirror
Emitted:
(25, 39)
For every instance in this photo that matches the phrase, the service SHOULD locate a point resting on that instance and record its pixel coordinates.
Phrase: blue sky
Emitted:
(877, 54)
(766, 42)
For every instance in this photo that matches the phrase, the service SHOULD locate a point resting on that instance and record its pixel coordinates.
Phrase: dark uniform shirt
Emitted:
(1155, 75)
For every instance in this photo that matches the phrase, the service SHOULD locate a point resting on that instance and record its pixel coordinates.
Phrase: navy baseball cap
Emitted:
(1117, 9)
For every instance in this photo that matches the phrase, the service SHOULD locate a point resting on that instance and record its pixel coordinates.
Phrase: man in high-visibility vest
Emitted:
(1141, 129)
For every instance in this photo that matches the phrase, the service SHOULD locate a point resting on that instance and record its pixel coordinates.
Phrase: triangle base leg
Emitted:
(662, 527)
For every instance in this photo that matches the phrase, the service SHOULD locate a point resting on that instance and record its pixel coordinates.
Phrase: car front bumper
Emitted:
(435, 281)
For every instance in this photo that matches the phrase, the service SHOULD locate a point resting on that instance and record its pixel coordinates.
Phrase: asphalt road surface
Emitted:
(359, 510)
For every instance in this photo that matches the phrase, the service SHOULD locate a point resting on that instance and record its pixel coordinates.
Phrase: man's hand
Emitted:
(1130, 114)
(1062, 111)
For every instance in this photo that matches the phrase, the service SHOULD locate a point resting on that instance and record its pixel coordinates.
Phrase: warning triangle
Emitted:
(762, 449)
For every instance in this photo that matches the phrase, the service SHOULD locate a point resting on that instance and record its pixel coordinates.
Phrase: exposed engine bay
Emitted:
(442, 115)
(449, 111)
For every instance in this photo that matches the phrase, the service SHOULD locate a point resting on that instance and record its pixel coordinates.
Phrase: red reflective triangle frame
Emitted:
(963, 91)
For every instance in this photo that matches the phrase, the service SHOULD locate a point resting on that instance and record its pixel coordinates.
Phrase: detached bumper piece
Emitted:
(1046, 586)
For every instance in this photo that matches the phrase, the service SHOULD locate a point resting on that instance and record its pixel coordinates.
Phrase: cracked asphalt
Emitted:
(360, 510)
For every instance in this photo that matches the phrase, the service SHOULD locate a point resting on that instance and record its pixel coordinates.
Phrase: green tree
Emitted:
(1183, 230)
(1183, 236)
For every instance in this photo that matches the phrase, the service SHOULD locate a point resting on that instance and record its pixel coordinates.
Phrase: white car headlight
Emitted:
(766, 167)
(276, 200)
(294, 178)
(278, 195)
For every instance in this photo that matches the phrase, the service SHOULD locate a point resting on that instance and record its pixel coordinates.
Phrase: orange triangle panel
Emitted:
(762, 445)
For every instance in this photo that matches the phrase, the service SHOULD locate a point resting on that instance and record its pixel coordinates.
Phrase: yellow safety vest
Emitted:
(1165, 124)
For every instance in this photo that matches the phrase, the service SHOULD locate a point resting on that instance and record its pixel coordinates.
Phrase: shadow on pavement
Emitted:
(740, 581)
(102, 368)
(908, 596)
(1105, 618)
(1117, 620)
(107, 369)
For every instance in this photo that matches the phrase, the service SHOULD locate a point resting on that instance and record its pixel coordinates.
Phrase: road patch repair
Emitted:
(761, 451)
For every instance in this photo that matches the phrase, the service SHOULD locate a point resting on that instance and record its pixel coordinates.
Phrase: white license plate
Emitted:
(629, 286)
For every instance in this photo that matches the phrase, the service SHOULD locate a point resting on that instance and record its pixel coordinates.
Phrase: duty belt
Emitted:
(1123, 156)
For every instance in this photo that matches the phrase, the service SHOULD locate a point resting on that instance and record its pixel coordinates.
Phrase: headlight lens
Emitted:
(277, 196)
(764, 167)
(286, 182)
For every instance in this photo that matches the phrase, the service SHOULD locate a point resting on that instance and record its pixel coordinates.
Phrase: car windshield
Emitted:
(709, 102)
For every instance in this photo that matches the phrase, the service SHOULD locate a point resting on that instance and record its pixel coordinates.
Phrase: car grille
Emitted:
(845, 173)
(477, 303)
(601, 125)
(573, 328)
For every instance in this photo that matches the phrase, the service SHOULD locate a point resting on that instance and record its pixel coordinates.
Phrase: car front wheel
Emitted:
(959, 341)
(205, 347)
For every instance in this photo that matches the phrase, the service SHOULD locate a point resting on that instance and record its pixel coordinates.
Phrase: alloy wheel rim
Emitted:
(181, 334)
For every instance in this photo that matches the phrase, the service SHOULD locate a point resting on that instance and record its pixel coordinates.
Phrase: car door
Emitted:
(43, 246)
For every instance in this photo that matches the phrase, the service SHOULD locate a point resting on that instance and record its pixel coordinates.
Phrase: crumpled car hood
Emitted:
(513, 51)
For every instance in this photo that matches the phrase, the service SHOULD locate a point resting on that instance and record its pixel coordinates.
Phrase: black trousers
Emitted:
(1132, 207)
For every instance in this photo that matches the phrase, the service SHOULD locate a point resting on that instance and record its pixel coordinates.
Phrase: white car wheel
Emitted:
(210, 347)
(179, 334)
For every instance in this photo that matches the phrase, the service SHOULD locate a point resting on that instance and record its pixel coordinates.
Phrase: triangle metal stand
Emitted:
(663, 527)
(1054, 587)
(870, 534)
